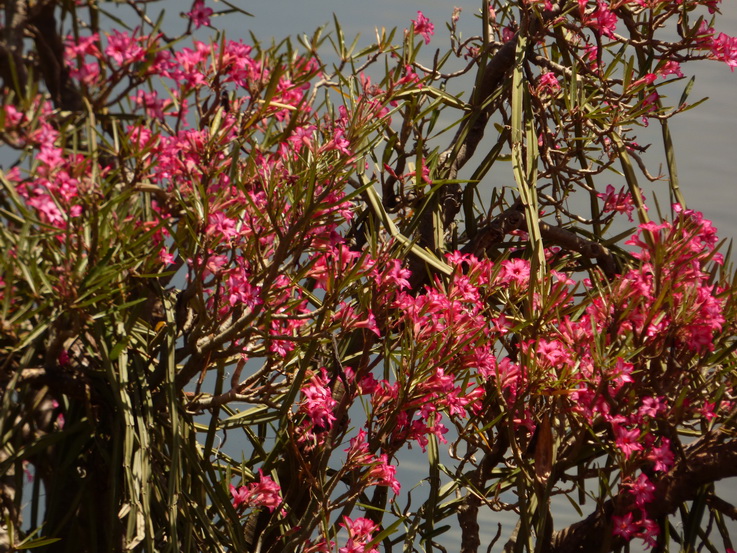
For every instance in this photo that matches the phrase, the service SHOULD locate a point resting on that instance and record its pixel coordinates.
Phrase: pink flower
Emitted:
(624, 526)
(627, 440)
(124, 49)
(651, 406)
(165, 257)
(240, 291)
(649, 532)
(547, 83)
(384, 474)
(48, 209)
(649, 78)
(724, 48)
(151, 103)
(602, 19)
(264, 493)
(553, 352)
(318, 402)
(340, 143)
(707, 411)
(621, 202)
(240, 495)
(423, 26)
(507, 34)
(515, 270)
(361, 528)
(622, 373)
(85, 46)
(222, 225)
(59, 414)
(643, 490)
(713, 5)
(394, 275)
(670, 68)
(360, 533)
(662, 456)
(200, 15)
(12, 116)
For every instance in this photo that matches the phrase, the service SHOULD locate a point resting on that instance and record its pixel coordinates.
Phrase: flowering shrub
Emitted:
(240, 283)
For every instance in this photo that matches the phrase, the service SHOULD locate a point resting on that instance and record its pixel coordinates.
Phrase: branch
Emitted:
(707, 460)
(513, 218)
(37, 21)
(467, 138)
(12, 68)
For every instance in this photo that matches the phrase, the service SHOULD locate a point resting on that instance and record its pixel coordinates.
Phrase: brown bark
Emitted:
(709, 459)
(38, 21)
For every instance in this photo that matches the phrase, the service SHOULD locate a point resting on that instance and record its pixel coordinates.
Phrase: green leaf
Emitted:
(38, 542)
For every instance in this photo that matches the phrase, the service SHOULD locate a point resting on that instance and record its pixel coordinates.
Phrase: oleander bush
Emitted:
(242, 282)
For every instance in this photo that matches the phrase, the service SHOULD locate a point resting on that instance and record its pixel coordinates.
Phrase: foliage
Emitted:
(217, 242)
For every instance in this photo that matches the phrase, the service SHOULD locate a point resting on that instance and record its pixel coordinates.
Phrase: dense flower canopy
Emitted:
(212, 241)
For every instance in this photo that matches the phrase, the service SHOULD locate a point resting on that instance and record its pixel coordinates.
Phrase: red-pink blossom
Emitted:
(165, 257)
(384, 474)
(662, 456)
(317, 401)
(624, 526)
(200, 15)
(124, 49)
(515, 270)
(652, 406)
(641, 489)
(12, 116)
(670, 67)
(627, 440)
(602, 18)
(360, 533)
(423, 26)
(649, 532)
(263, 493)
(547, 84)
(724, 48)
(621, 374)
(621, 202)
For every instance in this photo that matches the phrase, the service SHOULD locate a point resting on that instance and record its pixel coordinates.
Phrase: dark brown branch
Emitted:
(12, 67)
(51, 56)
(709, 459)
(491, 235)
(466, 140)
(722, 506)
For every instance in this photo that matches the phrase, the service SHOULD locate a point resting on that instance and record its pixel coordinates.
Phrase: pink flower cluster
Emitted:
(722, 47)
(602, 18)
(617, 202)
(377, 471)
(318, 404)
(263, 493)
(423, 27)
(360, 532)
(200, 14)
